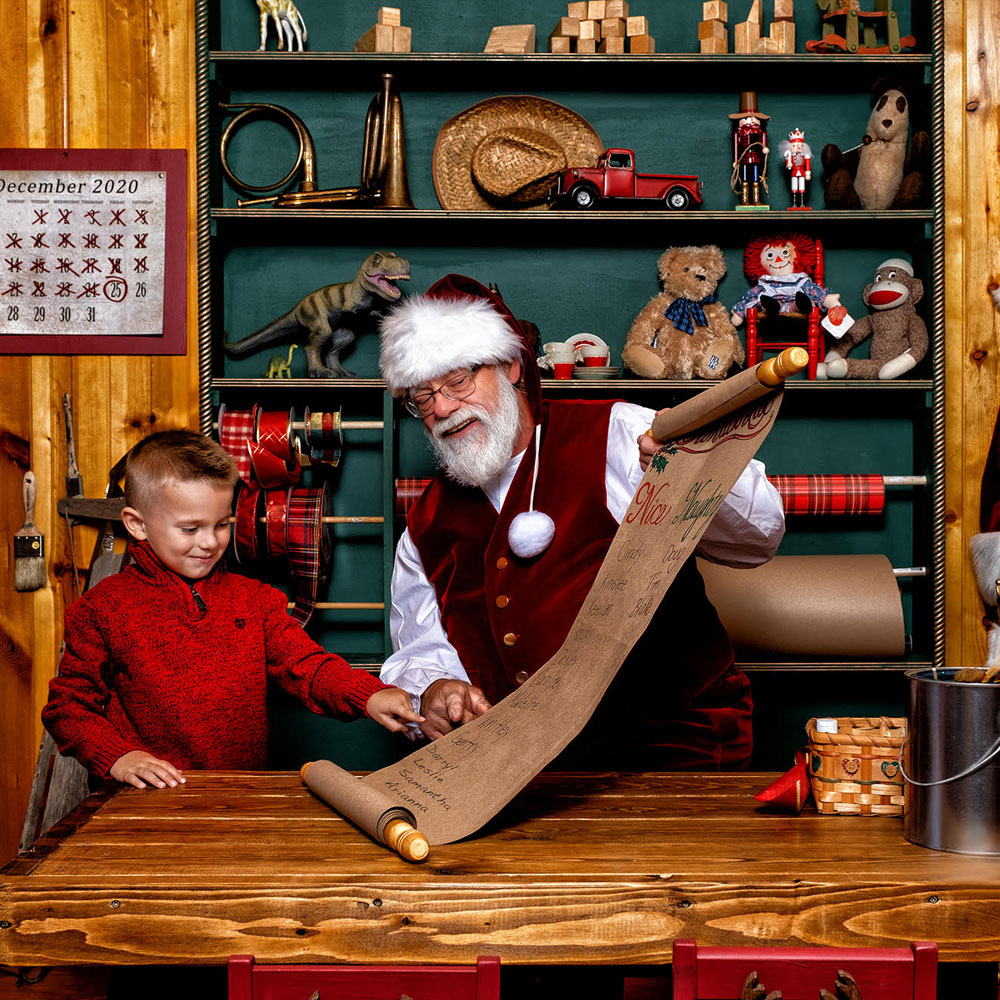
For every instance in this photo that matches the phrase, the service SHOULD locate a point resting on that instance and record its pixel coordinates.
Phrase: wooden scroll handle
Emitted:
(775, 370)
(727, 396)
(367, 808)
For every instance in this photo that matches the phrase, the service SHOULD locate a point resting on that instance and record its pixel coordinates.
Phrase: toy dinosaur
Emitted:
(279, 367)
(331, 315)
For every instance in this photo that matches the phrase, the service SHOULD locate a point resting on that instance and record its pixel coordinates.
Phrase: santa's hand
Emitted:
(648, 445)
(448, 703)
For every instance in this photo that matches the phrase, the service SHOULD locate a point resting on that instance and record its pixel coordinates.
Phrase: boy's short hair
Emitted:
(182, 456)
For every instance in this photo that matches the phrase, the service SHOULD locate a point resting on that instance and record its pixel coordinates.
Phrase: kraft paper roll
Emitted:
(823, 606)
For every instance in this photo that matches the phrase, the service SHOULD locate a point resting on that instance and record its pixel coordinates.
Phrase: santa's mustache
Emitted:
(468, 412)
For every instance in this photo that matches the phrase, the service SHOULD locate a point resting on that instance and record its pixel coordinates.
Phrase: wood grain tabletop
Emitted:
(579, 868)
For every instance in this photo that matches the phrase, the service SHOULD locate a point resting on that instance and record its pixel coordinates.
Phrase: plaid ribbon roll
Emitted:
(324, 436)
(408, 492)
(309, 546)
(236, 428)
(831, 495)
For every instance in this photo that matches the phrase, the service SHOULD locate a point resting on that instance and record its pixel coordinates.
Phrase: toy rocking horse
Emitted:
(859, 25)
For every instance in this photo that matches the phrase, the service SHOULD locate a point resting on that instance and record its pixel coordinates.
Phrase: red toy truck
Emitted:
(615, 178)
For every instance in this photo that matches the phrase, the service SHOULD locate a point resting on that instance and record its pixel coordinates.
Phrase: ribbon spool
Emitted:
(236, 429)
(275, 517)
(324, 436)
(247, 524)
(309, 544)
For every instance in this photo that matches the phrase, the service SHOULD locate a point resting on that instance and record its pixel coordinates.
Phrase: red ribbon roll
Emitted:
(247, 526)
(274, 432)
(275, 515)
(236, 429)
(308, 547)
(271, 470)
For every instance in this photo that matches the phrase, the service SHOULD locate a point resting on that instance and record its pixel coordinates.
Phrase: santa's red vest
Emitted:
(677, 702)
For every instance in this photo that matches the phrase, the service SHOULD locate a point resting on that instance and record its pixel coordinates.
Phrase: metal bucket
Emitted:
(952, 763)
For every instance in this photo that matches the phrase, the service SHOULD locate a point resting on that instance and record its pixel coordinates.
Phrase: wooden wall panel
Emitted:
(973, 353)
(97, 73)
(122, 72)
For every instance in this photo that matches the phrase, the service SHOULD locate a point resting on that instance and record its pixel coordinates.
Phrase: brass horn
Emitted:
(383, 157)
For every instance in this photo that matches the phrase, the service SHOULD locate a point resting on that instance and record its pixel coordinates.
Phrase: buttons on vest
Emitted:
(502, 562)
(510, 638)
(521, 676)
(502, 600)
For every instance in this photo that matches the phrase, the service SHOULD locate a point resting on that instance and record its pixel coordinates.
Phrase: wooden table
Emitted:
(586, 869)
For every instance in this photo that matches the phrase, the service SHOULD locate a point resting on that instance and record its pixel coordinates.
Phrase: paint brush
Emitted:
(74, 481)
(29, 544)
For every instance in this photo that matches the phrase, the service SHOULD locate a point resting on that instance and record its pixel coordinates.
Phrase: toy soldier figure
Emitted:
(798, 162)
(750, 152)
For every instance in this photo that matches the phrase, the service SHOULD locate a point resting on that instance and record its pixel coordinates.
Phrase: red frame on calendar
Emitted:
(93, 251)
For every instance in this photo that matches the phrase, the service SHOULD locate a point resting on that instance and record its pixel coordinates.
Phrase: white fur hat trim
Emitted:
(425, 338)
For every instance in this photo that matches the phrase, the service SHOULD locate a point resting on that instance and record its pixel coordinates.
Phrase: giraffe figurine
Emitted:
(279, 367)
(287, 22)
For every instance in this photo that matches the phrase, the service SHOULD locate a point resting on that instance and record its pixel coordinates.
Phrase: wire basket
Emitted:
(855, 771)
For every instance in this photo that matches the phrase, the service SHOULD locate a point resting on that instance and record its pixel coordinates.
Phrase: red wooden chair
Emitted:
(249, 981)
(775, 333)
(710, 973)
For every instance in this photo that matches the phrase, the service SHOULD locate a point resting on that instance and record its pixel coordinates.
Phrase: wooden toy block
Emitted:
(783, 33)
(745, 35)
(596, 10)
(638, 25)
(715, 10)
(711, 29)
(613, 27)
(378, 38)
(714, 46)
(586, 46)
(578, 10)
(560, 43)
(615, 45)
(401, 36)
(784, 10)
(590, 30)
(766, 46)
(568, 27)
(515, 38)
(389, 15)
(754, 14)
(642, 44)
(616, 8)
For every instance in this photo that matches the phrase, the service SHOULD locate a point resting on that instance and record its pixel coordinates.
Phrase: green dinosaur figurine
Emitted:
(331, 315)
(279, 367)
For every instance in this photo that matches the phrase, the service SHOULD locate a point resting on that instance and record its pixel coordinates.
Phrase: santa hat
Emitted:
(455, 324)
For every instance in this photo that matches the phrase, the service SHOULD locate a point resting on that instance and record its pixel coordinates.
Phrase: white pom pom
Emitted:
(531, 533)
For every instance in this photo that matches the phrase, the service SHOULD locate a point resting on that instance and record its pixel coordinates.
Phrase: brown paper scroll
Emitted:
(825, 606)
(459, 782)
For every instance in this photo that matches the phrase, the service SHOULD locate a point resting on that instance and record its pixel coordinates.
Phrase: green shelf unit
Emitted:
(569, 270)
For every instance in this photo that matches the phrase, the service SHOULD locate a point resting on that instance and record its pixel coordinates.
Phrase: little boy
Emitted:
(167, 662)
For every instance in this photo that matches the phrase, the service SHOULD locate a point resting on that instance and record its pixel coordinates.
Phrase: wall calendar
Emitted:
(93, 251)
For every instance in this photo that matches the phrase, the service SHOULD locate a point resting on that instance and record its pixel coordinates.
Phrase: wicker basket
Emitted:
(855, 771)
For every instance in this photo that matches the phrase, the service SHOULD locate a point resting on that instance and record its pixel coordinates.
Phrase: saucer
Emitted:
(595, 372)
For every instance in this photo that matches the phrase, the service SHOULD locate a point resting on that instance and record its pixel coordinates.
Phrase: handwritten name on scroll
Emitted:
(457, 783)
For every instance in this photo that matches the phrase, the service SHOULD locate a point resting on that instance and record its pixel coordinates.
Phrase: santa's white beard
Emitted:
(481, 452)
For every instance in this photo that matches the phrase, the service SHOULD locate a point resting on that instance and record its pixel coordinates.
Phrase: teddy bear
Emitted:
(898, 335)
(684, 332)
(881, 172)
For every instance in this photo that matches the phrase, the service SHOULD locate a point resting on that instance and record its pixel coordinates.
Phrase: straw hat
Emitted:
(505, 152)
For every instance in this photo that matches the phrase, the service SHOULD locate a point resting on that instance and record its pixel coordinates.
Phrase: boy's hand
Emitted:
(140, 768)
(390, 705)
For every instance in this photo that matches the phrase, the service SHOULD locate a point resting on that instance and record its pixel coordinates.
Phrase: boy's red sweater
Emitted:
(180, 668)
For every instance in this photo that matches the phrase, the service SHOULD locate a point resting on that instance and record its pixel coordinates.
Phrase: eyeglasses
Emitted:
(420, 402)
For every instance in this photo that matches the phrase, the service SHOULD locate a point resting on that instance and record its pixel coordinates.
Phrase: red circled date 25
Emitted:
(115, 289)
